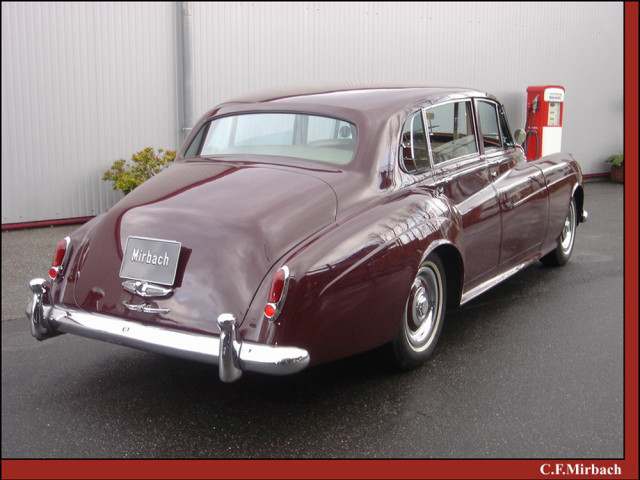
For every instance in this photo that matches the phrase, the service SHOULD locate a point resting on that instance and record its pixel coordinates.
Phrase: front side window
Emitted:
(451, 131)
(488, 118)
(295, 135)
(507, 139)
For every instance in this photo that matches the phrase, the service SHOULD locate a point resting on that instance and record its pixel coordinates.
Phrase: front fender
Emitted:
(563, 178)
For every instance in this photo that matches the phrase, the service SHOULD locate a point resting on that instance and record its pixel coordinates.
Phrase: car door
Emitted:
(460, 174)
(519, 185)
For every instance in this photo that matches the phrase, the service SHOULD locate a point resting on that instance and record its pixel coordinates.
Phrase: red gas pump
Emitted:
(544, 121)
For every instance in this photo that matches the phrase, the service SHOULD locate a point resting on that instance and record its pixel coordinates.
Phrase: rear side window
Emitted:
(415, 154)
(451, 131)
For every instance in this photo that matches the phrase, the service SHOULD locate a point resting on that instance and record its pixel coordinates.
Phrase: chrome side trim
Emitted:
(492, 282)
(526, 199)
(231, 355)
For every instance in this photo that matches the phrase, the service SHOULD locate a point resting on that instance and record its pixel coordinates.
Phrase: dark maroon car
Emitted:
(301, 228)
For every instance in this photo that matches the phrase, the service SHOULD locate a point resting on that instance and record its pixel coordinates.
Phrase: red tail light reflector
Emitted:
(277, 286)
(59, 257)
(269, 310)
(277, 293)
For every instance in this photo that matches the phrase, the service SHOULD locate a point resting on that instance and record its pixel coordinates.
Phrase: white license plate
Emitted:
(150, 260)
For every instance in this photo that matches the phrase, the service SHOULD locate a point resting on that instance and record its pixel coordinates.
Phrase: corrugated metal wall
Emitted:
(84, 84)
(498, 47)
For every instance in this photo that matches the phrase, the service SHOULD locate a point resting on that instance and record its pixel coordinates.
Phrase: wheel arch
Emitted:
(454, 270)
(578, 195)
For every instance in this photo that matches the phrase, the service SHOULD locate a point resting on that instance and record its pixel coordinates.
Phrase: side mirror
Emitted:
(520, 136)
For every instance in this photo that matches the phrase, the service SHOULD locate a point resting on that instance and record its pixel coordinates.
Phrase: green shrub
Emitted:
(144, 165)
(616, 160)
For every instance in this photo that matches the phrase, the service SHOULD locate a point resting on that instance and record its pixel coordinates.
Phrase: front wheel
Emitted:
(423, 316)
(562, 252)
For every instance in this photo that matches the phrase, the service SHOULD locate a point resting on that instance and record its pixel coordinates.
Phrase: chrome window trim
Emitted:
(498, 105)
(399, 145)
(471, 111)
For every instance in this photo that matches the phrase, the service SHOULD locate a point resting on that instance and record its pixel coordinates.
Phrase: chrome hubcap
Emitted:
(423, 308)
(567, 236)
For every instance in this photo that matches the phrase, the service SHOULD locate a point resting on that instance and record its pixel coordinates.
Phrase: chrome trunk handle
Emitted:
(145, 308)
(146, 289)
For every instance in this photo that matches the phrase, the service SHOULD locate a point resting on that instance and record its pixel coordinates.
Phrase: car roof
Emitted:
(339, 99)
(377, 110)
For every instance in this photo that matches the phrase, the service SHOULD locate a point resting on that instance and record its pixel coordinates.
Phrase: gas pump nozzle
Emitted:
(534, 106)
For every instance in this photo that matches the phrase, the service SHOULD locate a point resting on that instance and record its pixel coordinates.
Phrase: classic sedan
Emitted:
(301, 227)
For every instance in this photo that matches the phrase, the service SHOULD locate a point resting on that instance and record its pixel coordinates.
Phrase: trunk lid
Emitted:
(233, 223)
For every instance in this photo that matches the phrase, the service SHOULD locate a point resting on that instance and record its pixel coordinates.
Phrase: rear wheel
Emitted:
(562, 253)
(423, 316)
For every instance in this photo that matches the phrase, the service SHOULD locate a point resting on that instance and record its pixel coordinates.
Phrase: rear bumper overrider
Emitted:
(230, 354)
(584, 217)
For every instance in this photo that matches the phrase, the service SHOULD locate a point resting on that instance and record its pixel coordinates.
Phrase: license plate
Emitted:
(150, 260)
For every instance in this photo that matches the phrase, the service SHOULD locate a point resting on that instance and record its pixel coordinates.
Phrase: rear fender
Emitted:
(61, 289)
(353, 276)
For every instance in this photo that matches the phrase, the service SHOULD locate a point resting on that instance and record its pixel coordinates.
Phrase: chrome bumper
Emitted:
(231, 355)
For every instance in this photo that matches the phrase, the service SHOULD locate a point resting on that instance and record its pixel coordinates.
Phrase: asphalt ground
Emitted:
(531, 369)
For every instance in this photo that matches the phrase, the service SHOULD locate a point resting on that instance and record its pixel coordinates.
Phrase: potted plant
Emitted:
(144, 165)
(617, 167)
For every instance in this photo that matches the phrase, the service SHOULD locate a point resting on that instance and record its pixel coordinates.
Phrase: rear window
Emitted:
(309, 137)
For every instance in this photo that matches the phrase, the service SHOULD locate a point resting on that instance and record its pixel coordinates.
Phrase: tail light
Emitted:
(277, 293)
(59, 258)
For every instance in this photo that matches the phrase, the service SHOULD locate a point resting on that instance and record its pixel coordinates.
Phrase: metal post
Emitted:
(187, 69)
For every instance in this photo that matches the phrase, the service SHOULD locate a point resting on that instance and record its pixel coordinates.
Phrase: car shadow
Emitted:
(164, 398)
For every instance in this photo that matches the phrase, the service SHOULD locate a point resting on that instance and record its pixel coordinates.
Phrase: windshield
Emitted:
(297, 135)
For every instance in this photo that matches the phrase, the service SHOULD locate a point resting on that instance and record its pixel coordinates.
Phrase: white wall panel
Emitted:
(500, 47)
(84, 84)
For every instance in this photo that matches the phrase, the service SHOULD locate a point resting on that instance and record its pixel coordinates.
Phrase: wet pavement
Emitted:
(531, 369)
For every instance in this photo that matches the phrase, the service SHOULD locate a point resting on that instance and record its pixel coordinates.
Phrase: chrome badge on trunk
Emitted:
(150, 260)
